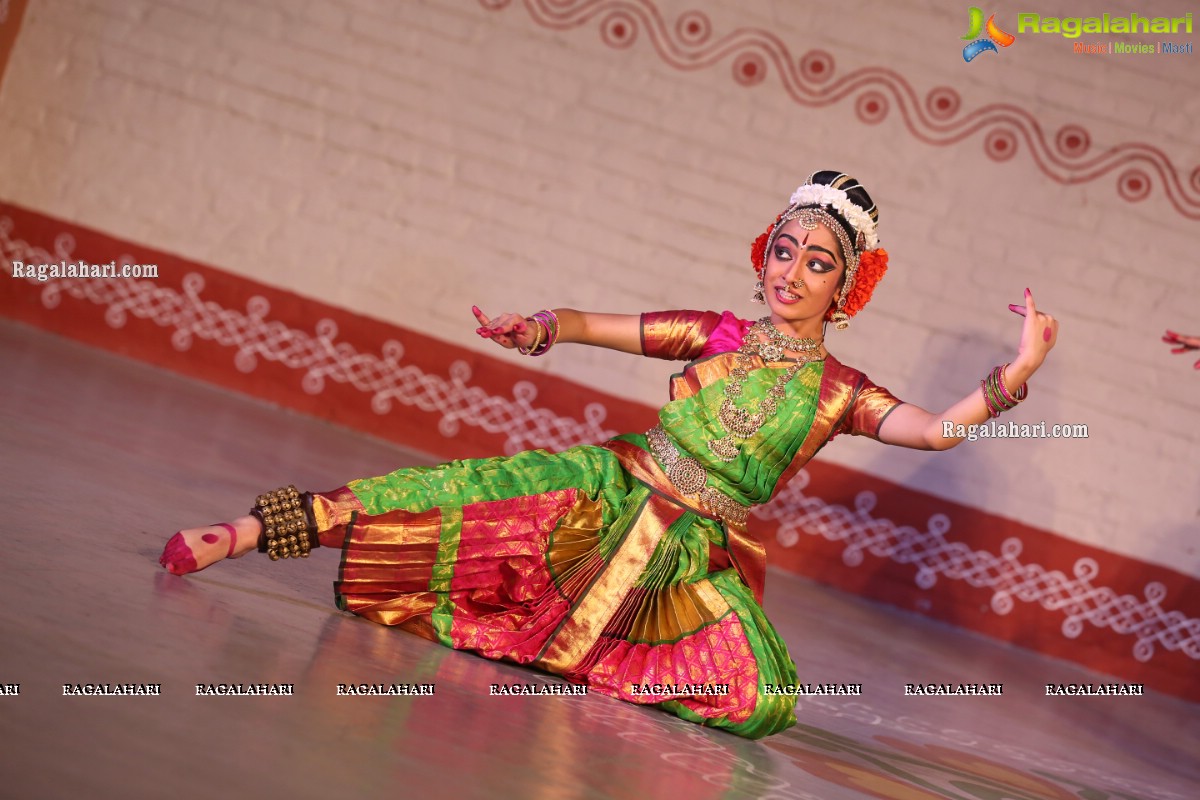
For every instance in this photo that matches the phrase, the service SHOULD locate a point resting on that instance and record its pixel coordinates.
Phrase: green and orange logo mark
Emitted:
(995, 36)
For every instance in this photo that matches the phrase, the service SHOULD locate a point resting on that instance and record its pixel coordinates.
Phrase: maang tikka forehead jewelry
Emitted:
(811, 218)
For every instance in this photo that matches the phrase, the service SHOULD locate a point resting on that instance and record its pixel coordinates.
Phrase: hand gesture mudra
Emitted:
(1182, 344)
(507, 330)
(1038, 334)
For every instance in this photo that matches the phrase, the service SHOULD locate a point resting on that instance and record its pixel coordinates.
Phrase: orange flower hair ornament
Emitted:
(872, 264)
(864, 267)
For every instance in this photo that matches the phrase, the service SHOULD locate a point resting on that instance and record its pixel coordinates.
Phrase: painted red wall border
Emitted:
(1028, 623)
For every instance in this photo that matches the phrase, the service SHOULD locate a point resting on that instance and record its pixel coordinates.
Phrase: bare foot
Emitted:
(194, 549)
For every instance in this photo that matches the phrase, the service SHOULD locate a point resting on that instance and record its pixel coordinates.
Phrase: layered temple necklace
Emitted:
(740, 424)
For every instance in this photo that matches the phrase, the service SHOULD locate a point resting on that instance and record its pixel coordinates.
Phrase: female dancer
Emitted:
(627, 566)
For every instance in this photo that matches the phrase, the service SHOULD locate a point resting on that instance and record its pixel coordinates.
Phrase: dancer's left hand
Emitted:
(1038, 334)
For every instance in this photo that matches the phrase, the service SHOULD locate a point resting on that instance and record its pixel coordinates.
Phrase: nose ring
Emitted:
(797, 284)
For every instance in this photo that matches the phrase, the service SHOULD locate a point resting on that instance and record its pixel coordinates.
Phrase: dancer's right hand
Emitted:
(507, 330)
(1182, 344)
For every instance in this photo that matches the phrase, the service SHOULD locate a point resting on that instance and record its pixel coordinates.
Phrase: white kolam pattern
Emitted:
(388, 380)
(1076, 597)
(318, 355)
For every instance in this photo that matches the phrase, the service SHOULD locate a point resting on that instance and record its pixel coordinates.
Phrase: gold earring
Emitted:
(841, 320)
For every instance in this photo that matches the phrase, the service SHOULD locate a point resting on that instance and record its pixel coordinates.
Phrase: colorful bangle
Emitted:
(538, 338)
(1014, 398)
(992, 398)
(996, 395)
(549, 321)
(997, 379)
(998, 392)
(992, 408)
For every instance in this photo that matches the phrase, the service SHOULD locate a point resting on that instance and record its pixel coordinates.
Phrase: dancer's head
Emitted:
(835, 203)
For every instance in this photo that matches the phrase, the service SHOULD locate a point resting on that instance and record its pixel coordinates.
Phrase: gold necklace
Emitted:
(778, 342)
(741, 424)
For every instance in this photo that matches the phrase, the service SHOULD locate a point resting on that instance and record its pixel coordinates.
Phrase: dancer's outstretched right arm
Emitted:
(615, 331)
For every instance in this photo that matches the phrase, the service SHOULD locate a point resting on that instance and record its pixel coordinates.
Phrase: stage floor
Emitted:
(103, 458)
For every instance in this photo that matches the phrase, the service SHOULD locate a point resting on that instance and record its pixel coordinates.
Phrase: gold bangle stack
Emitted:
(287, 532)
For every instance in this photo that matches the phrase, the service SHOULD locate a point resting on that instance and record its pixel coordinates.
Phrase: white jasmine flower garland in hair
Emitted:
(820, 195)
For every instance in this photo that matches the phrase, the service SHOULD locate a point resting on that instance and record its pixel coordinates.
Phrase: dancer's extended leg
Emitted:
(281, 524)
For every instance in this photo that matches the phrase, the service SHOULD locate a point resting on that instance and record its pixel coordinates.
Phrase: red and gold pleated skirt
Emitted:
(566, 563)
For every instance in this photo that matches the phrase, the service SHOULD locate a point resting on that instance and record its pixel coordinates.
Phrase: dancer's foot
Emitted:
(194, 549)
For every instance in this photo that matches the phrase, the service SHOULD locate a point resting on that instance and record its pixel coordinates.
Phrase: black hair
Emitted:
(854, 191)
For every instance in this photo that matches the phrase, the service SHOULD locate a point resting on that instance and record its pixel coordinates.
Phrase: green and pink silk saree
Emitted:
(590, 563)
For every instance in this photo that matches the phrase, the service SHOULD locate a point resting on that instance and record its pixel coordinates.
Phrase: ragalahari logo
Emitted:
(995, 36)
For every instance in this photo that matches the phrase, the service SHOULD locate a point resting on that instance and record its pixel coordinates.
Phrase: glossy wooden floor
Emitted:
(103, 458)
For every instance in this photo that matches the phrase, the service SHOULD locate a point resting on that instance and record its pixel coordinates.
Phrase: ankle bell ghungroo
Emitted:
(288, 527)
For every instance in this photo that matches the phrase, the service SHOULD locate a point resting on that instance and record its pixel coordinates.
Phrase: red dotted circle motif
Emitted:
(942, 103)
(618, 30)
(749, 69)
(871, 107)
(1072, 141)
(816, 66)
(693, 27)
(1000, 145)
(1133, 185)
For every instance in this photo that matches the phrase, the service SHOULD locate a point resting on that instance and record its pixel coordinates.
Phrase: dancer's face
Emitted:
(800, 254)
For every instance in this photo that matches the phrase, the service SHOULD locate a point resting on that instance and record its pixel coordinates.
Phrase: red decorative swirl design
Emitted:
(619, 29)
(1073, 141)
(1000, 144)
(1134, 185)
(693, 28)
(935, 119)
(749, 69)
(871, 107)
(942, 103)
(816, 66)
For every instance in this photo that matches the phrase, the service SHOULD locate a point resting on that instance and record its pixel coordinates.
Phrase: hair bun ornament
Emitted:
(872, 265)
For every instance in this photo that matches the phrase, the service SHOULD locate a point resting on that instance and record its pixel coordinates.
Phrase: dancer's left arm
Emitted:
(912, 426)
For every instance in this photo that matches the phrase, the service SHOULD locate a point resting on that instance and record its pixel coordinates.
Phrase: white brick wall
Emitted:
(409, 159)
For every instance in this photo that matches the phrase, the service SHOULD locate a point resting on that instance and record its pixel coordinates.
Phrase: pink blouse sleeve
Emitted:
(678, 335)
(727, 336)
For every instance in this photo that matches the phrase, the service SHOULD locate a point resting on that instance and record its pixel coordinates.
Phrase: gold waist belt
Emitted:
(690, 478)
